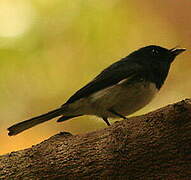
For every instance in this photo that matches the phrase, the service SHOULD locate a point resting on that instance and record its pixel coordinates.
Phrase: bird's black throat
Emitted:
(157, 73)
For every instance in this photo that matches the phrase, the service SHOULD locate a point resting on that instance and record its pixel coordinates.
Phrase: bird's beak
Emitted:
(177, 51)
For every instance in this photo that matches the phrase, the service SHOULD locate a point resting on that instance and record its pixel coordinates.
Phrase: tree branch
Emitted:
(153, 146)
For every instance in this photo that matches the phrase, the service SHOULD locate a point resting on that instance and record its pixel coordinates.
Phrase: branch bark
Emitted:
(152, 146)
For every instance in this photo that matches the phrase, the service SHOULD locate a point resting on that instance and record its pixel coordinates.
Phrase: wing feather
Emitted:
(108, 77)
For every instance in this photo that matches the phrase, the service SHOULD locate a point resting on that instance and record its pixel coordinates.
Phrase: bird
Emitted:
(118, 91)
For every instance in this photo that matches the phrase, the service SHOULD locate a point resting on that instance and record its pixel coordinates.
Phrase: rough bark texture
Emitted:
(153, 146)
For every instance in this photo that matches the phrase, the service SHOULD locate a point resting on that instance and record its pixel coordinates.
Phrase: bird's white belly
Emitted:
(122, 98)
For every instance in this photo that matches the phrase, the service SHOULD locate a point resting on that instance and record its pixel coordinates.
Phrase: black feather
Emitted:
(64, 118)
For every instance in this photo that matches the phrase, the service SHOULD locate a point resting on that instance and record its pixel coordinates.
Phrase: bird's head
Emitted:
(157, 53)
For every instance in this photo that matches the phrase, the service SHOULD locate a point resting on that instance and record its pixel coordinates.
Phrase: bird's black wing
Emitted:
(108, 77)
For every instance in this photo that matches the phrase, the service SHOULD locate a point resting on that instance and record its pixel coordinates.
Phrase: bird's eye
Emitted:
(154, 52)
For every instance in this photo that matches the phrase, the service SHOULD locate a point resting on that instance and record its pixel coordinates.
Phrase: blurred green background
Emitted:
(49, 49)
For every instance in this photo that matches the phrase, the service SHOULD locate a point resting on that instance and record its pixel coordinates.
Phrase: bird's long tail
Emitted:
(22, 126)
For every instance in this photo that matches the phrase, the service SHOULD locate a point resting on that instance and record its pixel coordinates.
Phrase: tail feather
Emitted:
(22, 126)
(64, 118)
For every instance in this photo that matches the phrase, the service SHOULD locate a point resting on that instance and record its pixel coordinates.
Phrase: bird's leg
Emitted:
(117, 114)
(106, 120)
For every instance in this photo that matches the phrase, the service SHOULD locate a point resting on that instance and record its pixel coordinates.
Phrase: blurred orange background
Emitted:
(50, 49)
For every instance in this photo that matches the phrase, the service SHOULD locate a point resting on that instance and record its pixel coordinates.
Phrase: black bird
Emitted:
(119, 90)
